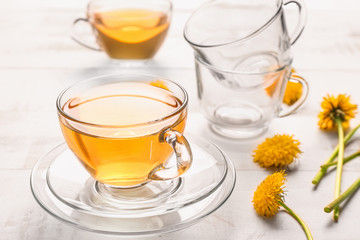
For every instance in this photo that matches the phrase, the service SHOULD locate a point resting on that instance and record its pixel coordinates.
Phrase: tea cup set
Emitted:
(126, 167)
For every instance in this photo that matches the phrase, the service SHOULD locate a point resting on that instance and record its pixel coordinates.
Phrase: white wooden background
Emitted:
(38, 59)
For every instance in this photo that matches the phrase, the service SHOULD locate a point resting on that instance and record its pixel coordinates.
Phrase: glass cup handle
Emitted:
(302, 19)
(181, 147)
(77, 39)
(301, 100)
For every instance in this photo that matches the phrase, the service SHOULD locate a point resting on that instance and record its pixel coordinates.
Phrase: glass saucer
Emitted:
(64, 189)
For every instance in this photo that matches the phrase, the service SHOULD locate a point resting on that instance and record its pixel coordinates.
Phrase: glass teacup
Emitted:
(243, 104)
(127, 29)
(124, 128)
(243, 35)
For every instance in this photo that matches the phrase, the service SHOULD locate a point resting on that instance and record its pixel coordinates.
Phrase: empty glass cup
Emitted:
(242, 104)
(242, 35)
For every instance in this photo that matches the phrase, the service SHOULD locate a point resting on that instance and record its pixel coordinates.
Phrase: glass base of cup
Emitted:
(238, 133)
(147, 195)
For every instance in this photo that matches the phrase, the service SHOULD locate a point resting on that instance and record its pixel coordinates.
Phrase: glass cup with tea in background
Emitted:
(127, 29)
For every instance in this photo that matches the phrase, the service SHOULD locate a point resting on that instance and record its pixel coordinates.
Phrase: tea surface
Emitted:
(130, 33)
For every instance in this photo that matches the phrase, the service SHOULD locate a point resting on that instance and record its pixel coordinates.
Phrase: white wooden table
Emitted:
(38, 59)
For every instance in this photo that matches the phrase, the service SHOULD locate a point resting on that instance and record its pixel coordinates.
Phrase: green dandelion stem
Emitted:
(298, 219)
(343, 196)
(339, 166)
(347, 159)
(319, 175)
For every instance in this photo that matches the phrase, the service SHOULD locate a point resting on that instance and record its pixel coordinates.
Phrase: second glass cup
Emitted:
(127, 29)
(242, 35)
(242, 104)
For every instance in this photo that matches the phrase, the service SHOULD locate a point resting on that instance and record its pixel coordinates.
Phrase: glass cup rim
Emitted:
(228, 71)
(145, 76)
(167, 11)
(249, 36)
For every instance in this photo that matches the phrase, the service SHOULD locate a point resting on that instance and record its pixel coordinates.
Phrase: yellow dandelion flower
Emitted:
(268, 194)
(160, 84)
(336, 108)
(293, 92)
(336, 113)
(278, 151)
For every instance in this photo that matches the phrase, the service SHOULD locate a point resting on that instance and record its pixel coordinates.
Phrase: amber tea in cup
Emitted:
(128, 29)
(123, 129)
